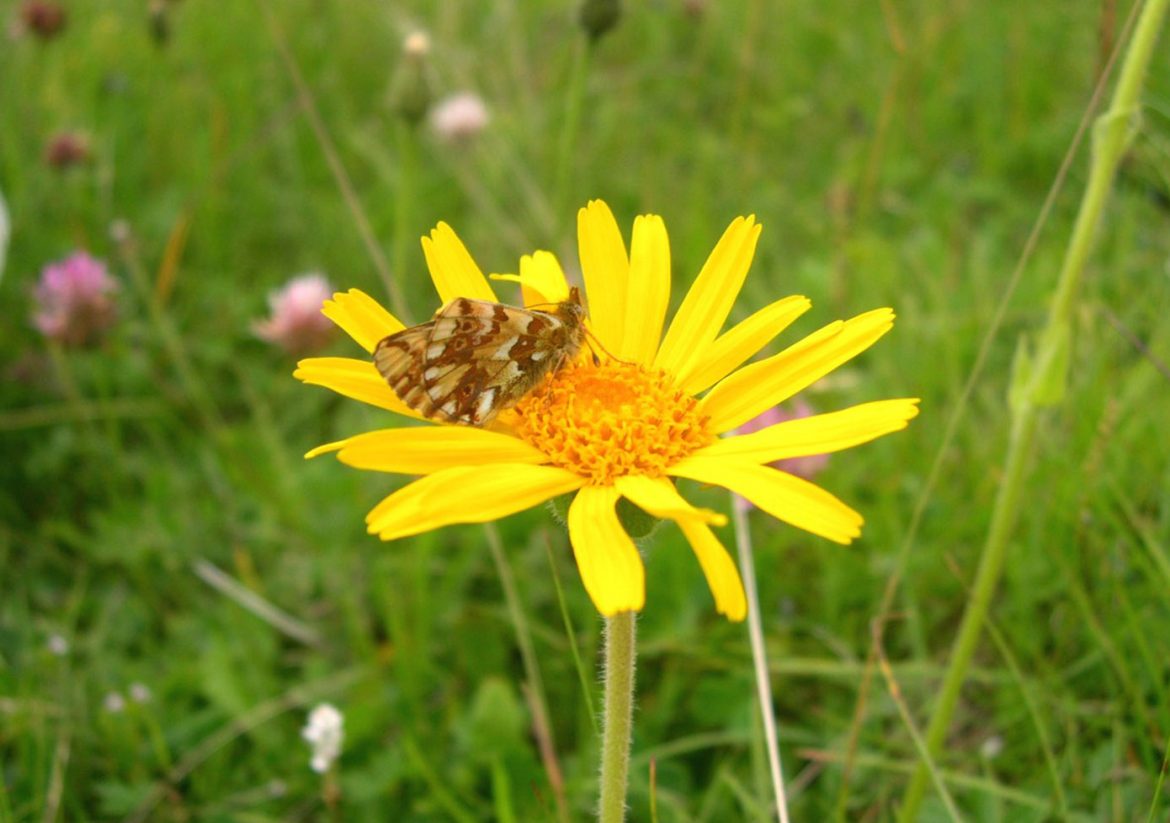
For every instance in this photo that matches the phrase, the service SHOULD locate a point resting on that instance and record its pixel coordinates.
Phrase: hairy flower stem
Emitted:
(1039, 380)
(618, 726)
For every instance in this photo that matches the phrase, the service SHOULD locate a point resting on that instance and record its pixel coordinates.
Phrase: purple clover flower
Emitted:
(296, 323)
(75, 300)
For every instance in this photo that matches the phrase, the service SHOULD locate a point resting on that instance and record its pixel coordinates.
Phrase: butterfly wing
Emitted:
(474, 359)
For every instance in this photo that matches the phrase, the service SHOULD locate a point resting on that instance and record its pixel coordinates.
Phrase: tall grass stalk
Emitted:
(567, 145)
(404, 195)
(950, 432)
(308, 106)
(170, 338)
(571, 637)
(747, 570)
(535, 691)
(1039, 378)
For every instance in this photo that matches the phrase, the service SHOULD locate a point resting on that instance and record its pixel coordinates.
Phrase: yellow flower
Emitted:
(626, 426)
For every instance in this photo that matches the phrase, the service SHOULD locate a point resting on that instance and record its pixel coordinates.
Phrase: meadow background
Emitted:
(153, 499)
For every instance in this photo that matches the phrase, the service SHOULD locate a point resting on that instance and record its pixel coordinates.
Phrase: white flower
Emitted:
(459, 117)
(114, 703)
(417, 44)
(992, 747)
(140, 693)
(58, 645)
(324, 734)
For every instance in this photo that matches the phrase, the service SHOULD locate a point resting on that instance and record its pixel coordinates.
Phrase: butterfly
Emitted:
(475, 358)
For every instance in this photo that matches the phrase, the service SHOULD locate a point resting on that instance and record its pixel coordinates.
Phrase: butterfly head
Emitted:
(572, 311)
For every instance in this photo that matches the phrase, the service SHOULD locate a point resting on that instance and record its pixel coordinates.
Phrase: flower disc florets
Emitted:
(610, 420)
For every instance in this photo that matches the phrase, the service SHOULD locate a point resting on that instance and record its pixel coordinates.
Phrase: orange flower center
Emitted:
(610, 420)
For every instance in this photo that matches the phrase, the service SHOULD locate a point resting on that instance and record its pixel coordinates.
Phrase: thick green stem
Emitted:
(619, 709)
(1039, 381)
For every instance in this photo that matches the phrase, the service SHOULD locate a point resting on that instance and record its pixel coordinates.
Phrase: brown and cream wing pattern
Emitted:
(474, 358)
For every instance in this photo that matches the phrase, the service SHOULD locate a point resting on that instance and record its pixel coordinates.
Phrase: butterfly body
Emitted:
(475, 358)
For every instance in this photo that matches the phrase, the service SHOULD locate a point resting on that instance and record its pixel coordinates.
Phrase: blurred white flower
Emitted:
(992, 747)
(417, 44)
(120, 231)
(296, 323)
(140, 693)
(459, 117)
(114, 703)
(58, 645)
(324, 734)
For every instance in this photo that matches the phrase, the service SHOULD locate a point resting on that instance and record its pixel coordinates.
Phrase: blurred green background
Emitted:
(896, 153)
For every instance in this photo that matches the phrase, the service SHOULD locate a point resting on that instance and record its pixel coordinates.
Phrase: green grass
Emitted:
(894, 160)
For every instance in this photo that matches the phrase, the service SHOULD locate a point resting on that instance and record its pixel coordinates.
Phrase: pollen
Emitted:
(611, 419)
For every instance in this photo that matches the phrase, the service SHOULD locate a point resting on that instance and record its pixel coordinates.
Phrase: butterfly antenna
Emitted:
(593, 340)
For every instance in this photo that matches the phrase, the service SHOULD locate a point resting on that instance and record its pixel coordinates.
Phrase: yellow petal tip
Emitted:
(711, 518)
(325, 448)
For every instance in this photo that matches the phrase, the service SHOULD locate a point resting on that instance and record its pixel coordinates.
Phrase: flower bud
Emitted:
(160, 22)
(410, 90)
(44, 18)
(67, 149)
(599, 16)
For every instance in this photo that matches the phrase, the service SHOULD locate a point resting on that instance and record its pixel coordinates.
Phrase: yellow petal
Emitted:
(732, 349)
(357, 379)
(361, 317)
(325, 448)
(647, 290)
(819, 434)
(541, 279)
(781, 495)
(544, 279)
(452, 268)
(610, 565)
(704, 310)
(467, 494)
(719, 569)
(659, 497)
(428, 449)
(606, 269)
(766, 383)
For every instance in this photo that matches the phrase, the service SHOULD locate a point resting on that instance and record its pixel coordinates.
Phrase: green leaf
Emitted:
(1052, 363)
(1019, 390)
